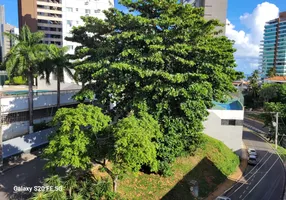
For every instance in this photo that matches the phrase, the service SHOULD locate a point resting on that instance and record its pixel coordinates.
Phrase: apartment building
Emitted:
(213, 9)
(57, 17)
(2, 23)
(273, 46)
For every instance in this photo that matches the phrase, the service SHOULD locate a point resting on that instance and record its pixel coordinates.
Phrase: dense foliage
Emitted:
(84, 137)
(74, 187)
(167, 57)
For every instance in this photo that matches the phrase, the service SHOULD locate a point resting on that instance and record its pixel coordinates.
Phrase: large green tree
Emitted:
(167, 57)
(23, 60)
(84, 138)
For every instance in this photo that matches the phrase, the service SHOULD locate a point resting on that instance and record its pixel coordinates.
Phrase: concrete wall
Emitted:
(19, 128)
(230, 135)
(20, 103)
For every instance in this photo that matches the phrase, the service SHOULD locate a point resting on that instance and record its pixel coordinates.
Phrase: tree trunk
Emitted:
(115, 178)
(58, 90)
(30, 102)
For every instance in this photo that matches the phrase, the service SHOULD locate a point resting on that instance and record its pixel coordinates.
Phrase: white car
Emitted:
(222, 198)
(252, 151)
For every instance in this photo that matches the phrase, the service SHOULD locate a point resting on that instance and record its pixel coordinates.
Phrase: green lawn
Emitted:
(210, 167)
(281, 151)
(258, 117)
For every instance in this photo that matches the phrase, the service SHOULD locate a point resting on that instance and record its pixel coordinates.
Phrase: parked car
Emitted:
(252, 160)
(222, 198)
(252, 151)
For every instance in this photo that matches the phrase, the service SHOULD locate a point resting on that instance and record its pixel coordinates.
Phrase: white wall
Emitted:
(19, 128)
(231, 136)
(20, 103)
(74, 15)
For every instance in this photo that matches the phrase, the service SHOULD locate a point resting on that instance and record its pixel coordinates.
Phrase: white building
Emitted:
(56, 18)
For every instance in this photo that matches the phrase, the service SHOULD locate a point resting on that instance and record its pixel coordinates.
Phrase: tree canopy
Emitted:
(167, 57)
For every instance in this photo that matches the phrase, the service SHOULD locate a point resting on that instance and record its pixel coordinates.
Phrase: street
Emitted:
(265, 181)
(28, 174)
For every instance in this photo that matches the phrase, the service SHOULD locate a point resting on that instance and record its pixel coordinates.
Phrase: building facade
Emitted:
(56, 18)
(273, 46)
(2, 24)
(213, 9)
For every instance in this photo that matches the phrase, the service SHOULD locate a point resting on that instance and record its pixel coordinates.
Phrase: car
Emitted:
(222, 198)
(252, 160)
(252, 151)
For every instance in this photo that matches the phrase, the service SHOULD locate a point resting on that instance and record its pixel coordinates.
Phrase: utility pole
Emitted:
(276, 130)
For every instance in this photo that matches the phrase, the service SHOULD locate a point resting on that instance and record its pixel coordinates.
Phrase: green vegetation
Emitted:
(167, 59)
(163, 67)
(281, 151)
(17, 80)
(258, 117)
(24, 58)
(210, 166)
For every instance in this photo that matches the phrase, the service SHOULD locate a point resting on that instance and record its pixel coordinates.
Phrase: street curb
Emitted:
(252, 131)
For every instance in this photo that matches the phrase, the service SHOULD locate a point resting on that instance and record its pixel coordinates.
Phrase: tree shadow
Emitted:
(207, 176)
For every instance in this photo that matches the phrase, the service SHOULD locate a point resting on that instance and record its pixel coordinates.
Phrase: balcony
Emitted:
(49, 3)
(49, 11)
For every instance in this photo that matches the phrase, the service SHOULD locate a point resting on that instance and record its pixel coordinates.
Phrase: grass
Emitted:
(281, 151)
(210, 166)
(258, 117)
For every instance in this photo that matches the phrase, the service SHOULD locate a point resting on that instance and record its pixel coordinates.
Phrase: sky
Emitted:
(245, 19)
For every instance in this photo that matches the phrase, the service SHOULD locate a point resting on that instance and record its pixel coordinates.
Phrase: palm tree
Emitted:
(23, 59)
(271, 72)
(56, 64)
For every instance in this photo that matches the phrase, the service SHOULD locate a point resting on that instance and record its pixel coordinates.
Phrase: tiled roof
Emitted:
(277, 78)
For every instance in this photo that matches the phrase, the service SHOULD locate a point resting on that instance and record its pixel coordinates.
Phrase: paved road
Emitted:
(265, 181)
(29, 174)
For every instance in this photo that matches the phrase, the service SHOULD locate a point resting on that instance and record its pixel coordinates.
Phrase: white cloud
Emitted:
(247, 42)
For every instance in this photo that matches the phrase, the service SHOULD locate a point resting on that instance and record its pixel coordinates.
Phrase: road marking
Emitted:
(249, 173)
(240, 196)
(261, 178)
(244, 191)
(247, 187)
(251, 176)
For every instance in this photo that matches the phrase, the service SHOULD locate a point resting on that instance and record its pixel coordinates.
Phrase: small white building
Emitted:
(225, 123)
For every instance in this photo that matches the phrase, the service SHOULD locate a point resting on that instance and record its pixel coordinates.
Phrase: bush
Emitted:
(18, 80)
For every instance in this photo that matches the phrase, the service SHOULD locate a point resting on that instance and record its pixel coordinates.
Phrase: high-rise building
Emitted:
(213, 9)
(2, 24)
(8, 43)
(273, 46)
(57, 17)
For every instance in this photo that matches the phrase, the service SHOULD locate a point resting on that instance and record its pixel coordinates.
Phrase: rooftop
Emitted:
(276, 79)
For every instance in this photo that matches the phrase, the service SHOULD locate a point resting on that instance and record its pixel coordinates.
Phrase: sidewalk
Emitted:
(233, 178)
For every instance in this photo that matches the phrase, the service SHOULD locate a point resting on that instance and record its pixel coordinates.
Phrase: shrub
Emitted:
(18, 80)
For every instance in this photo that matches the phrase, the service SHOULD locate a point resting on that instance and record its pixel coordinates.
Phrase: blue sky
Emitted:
(246, 19)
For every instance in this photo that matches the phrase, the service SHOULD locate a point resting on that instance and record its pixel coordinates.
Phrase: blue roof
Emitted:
(230, 105)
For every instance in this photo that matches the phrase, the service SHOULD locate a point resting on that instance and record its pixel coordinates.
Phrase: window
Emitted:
(76, 9)
(69, 23)
(87, 11)
(70, 47)
(97, 11)
(69, 9)
(231, 122)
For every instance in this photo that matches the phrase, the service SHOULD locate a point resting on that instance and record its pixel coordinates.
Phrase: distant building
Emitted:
(5, 42)
(214, 9)
(275, 79)
(273, 46)
(8, 43)
(2, 23)
(56, 18)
